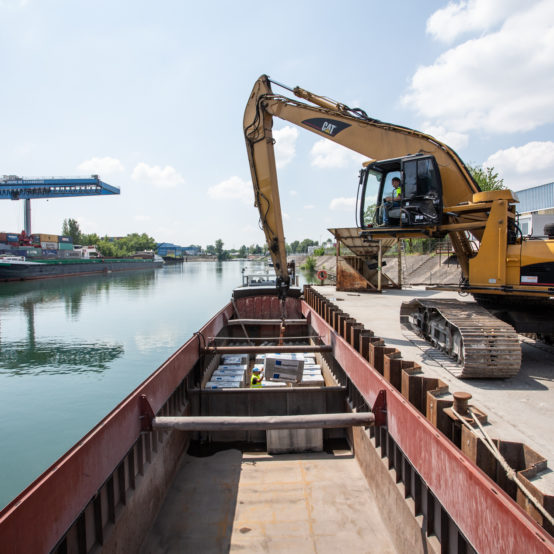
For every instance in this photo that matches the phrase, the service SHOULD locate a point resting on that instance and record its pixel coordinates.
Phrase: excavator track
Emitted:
(485, 346)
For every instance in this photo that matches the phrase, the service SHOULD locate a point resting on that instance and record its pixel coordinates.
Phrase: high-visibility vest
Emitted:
(397, 192)
(255, 382)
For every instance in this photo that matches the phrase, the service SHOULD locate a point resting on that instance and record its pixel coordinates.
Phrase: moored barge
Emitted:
(22, 270)
(109, 492)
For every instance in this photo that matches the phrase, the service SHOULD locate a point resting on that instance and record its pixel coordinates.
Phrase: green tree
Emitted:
(309, 264)
(486, 178)
(90, 240)
(319, 251)
(303, 247)
(220, 252)
(71, 229)
(294, 246)
(124, 246)
(243, 251)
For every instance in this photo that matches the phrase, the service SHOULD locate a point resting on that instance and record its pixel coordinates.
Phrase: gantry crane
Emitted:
(13, 187)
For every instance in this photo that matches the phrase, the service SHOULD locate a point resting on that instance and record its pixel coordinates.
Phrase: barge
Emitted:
(22, 270)
(178, 466)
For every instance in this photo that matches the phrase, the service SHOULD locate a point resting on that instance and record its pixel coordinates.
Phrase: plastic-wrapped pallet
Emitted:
(228, 379)
(283, 368)
(271, 384)
(223, 385)
(234, 359)
(312, 381)
(242, 367)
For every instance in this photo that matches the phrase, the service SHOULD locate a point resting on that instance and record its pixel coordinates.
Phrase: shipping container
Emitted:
(69, 254)
(65, 246)
(2, 237)
(48, 238)
(47, 245)
(12, 237)
(35, 239)
(64, 239)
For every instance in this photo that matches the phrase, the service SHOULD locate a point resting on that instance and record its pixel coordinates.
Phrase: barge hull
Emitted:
(107, 489)
(51, 269)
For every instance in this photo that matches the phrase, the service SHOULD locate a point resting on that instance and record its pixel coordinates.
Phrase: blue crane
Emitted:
(13, 187)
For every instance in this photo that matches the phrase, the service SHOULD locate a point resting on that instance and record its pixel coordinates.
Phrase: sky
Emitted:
(151, 95)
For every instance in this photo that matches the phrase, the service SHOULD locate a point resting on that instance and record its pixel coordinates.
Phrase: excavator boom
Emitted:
(350, 127)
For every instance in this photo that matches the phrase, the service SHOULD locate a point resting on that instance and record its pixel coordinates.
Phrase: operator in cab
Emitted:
(393, 201)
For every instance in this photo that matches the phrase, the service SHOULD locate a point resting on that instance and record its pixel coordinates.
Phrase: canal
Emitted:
(71, 349)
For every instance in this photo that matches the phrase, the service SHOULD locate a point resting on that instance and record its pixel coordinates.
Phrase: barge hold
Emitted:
(399, 485)
(22, 270)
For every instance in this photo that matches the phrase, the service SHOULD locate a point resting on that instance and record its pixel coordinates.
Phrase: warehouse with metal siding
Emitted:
(536, 199)
(536, 209)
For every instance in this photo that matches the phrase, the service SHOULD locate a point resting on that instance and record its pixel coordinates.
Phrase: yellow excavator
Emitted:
(415, 186)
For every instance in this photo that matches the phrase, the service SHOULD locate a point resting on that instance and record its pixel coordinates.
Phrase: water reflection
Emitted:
(72, 289)
(310, 276)
(50, 357)
(27, 351)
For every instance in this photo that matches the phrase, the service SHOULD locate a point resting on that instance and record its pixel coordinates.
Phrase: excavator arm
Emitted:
(337, 122)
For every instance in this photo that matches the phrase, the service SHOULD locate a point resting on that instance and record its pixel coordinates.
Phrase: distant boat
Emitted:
(22, 270)
(172, 260)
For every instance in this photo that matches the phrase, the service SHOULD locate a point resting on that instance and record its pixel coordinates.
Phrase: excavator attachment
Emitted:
(483, 345)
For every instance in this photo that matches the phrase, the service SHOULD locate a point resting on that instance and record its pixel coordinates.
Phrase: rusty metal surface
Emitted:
(349, 279)
(36, 519)
(266, 307)
(267, 349)
(490, 520)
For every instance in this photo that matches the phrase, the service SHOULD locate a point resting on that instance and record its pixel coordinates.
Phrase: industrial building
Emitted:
(536, 209)
(169, 249)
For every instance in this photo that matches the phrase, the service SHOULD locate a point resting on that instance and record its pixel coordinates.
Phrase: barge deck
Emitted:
(235, 501)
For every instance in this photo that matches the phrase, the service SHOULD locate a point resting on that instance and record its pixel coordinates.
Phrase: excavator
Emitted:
(415, 186)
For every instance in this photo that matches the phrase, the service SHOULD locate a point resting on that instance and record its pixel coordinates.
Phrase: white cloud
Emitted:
(524, 166)
(500, 82)
(452, 138)
(233, 188)
(161, 177)
(286, 216)
(13, 4)
(309, 207)
(327, 154)
(285, 145)
(101, 166)
(459, 18)
(342, 203)
(293, 192)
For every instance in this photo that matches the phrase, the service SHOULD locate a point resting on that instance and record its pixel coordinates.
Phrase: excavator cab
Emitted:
(401, 192)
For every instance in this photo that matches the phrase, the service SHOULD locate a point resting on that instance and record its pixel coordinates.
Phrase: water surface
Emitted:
(71, 349)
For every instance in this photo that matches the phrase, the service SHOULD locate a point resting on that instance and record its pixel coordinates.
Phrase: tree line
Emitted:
(134, 242)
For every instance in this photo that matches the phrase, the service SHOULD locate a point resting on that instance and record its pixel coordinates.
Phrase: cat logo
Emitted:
(330, 127)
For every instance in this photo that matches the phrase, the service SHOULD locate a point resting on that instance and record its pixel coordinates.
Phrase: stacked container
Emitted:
(230, 373)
